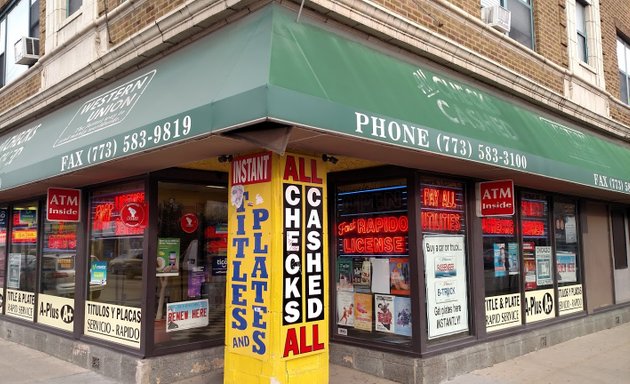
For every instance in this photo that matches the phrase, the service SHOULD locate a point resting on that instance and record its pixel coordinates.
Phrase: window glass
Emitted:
(4, 222)
(22, 262)
(619, 238)
(580, 25)
(372, 267)
(443, 218)
(57, 275)
(34, 19)
(567, 257)
(118, 218)
(521, 24)
(536, 249)
(17, 27)
(191, 263)
(621, 56)
(73, 6)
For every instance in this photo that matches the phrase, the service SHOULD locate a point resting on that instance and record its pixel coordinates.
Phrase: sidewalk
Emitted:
(602, 357)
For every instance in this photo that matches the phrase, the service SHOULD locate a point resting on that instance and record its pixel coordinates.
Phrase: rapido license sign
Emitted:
(495, 198)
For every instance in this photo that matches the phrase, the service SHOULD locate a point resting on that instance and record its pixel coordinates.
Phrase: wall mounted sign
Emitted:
(495, 198)
(63, 204)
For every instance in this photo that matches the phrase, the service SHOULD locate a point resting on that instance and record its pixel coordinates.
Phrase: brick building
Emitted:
(469, 158)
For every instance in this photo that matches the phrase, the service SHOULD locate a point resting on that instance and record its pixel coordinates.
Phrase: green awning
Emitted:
(269, 66)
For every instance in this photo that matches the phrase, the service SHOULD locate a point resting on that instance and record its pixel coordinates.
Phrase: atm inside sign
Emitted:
(495, 198)
(63, 204)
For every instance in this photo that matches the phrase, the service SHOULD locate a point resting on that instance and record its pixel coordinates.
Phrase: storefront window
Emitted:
(570, 297)
(22, 262)
(191, 263)
(372, 267)
(443, 218)
(118, 219)
(4, 222)
(536, 249)
(57, 279)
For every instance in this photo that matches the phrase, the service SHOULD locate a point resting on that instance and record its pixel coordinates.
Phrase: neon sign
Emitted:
(534, 228)
(375, 245)
(62, 241)
(440, 198)
(387, 224)
(496, 226)
(107, 215)
(24, 236)
(533, 208)
(441, 221)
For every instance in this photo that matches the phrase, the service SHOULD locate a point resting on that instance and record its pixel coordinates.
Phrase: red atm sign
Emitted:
(495, 198)
(63, 204)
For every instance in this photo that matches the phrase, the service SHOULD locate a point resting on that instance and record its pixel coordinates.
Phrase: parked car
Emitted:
(58, 276)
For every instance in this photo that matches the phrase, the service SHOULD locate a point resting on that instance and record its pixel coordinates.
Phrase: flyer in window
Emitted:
(399, 276)
(513, 264)
(167, 257)
(363, 311)
(500, 260)
(345, 308)
(15, 261)
(344, 274)
(567, 271)
(402, 316)
(380, 275)
(543, 266)
(384, 307)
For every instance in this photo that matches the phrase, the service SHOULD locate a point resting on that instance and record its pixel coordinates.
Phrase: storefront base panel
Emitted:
(205, 365)
(437, 369)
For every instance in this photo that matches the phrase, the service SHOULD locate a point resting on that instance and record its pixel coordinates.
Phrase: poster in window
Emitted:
(513, 264)
(543, 266)
(567, 271)
(380, 275)
(529, 265)
(363, 311)
(384, 307)
(570, 229)
(345, 308)
(402, 315)
(344, 274)
(500, 260)
(399, 276)
(15, 261)
(168, 257)
(445, 263)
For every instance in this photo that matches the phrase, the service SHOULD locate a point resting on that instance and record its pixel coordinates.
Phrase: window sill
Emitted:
(71, 18)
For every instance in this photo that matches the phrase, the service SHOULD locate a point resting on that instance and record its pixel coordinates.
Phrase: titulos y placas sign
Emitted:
(63, 204)
(495, 198)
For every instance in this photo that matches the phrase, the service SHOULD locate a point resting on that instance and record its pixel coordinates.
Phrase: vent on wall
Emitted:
(497, 17)
(27, 50)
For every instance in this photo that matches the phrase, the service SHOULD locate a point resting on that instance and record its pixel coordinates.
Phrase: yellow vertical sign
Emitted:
(277, 303)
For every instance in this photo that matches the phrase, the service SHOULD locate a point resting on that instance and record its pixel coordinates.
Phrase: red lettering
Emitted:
(297, 347)
(314, 177)
(290, 169)
(291, 345)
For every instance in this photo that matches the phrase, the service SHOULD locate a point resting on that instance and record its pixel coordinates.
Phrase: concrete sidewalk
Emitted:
(602, 357)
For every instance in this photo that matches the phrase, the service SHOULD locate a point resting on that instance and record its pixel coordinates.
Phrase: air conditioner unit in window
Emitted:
(27, 50)
(497, 17)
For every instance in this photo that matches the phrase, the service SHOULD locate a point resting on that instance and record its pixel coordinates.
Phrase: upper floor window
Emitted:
(580, 27)
(623, 60)
(73, 6)
(15, 23)
(521, 29)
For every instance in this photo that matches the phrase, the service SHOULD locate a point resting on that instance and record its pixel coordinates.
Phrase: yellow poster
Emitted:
(55, 311)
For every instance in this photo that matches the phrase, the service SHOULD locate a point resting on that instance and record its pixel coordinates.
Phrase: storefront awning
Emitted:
(268, 66)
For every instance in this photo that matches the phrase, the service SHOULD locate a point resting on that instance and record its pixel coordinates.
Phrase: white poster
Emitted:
(15, 260)
(55, 311)
(543, 266)
(380, 275)
(114, 323)
(570, 299)
(539, 305)
(445, 268)
(186, 315)
(20, 304)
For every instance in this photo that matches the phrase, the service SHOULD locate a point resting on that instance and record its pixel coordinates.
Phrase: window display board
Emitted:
(503, 312)
(373, 271)
(539, 305)
(445, 274)
(570, 299)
